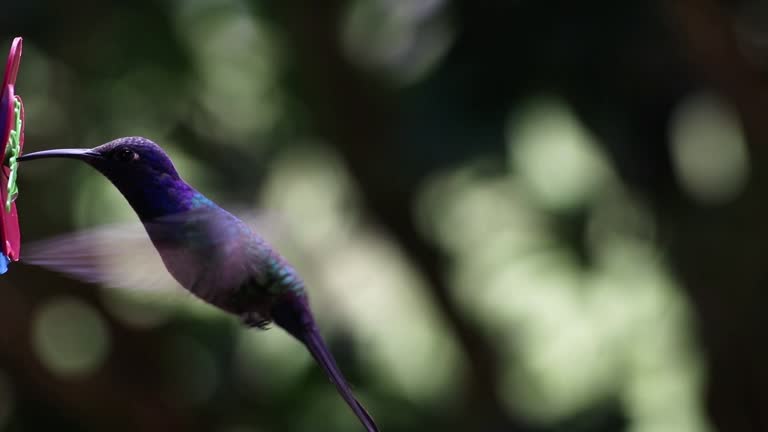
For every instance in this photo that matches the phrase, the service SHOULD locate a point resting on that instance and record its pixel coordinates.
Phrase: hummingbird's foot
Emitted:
(253, 319)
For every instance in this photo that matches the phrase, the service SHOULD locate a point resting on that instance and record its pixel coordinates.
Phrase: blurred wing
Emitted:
(118, 256)
(122, 255)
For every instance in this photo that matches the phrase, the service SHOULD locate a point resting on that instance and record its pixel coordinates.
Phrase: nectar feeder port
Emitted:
(11, 144)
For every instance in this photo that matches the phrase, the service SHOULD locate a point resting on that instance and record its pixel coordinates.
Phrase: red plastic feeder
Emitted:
(11, 143)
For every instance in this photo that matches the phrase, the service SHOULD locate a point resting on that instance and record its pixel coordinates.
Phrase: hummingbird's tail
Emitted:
(295, 317)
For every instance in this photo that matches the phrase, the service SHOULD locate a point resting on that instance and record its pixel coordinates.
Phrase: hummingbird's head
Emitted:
(121, 159)
(139, 169)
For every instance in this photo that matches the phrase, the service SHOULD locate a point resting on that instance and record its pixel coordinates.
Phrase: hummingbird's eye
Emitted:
(125, 155)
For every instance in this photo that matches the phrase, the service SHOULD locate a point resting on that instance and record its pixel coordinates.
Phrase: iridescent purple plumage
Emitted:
(207, 250)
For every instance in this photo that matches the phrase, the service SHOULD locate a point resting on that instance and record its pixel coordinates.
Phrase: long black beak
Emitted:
(82, 154)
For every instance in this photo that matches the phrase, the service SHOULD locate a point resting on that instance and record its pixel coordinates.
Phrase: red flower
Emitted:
(11, 143)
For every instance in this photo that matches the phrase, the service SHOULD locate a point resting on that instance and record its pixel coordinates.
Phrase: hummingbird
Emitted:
(210, 252)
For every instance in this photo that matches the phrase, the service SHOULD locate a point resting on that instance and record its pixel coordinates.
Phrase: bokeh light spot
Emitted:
(557, 158)
(70, 337)
(708, 149)
(482, 217)
(311, 181)
(234, 54)
(401, 40)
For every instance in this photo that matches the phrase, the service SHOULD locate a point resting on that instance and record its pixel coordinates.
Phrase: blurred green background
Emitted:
(512, 215)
